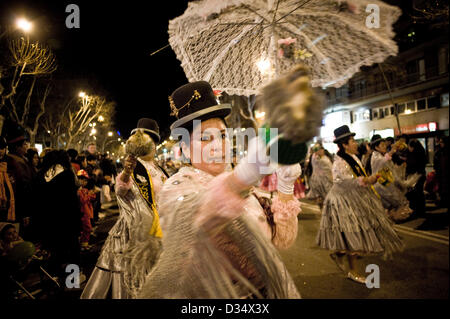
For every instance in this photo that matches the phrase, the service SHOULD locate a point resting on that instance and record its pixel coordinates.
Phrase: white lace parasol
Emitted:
(238, 45)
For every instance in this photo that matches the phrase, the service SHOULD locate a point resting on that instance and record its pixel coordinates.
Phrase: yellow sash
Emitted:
(155, 229)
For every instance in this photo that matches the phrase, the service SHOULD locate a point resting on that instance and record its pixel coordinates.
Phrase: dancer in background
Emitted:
(138, 230)
(392, 197)
(353, 219)
(270, 182)
(321, 179)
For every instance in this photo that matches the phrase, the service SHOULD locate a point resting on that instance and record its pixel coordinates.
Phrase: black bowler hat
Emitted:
(195, 101)
(149, 126)
(342, 132)
(375, 139)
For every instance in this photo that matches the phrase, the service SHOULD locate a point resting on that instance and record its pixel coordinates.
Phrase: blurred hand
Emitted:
(255, 165)
(286, 177)
(130, 164)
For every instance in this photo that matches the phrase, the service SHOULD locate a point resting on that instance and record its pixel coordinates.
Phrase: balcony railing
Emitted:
(377, 88)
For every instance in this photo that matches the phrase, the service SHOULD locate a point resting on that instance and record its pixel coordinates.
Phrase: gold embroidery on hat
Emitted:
(175, 110)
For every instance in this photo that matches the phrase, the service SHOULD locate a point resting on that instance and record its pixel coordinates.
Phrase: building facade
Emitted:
(419, 93)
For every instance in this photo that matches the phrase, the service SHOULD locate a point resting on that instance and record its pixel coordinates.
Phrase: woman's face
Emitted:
(209, 146)
(11, 235)
(321, 152)
(351, 147)
(382, 147)
(35, 160)
(83, 182)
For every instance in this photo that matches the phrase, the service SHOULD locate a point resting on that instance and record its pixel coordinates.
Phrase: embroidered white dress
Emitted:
(207, 254)
(353, 218)
(321, 179)
(392, 196)
(128, 237)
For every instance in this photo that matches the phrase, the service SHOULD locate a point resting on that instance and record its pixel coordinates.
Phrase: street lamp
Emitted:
(82, 94)
(24, 25)
(110, 134)
(21, 24)
(264, 66)
(101, 119)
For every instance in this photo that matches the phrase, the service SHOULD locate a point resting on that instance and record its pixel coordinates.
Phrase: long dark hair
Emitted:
(417, 159)
(30, 154)
(418, 150)
(362, 150)
(53, 158)
(358, 170)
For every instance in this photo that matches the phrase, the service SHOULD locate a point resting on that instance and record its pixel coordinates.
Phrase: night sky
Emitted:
(112, 50)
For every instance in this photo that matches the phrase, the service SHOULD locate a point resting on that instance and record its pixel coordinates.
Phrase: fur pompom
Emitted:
(140, 144)
(293, 106)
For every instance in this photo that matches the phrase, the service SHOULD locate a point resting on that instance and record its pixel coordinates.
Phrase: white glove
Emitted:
(256, 164)
(286, 177)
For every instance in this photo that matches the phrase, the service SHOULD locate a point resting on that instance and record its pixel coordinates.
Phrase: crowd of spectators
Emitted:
(52, 199)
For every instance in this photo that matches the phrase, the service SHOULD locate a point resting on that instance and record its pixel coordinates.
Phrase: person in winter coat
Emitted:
(58, 212)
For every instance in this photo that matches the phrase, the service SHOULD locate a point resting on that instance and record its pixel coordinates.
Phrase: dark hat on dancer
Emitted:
(376, 139)
(195, 101)
(149, 126)
(341, 133)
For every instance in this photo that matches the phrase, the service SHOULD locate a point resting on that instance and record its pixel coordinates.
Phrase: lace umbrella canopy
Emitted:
(238, 45)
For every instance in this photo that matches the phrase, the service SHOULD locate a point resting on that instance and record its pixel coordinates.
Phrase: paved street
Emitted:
(421, 271)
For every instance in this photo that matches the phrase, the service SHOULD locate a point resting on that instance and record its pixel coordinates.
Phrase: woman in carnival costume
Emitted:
(218, 240)
(353, 219)
(391, 188)
(321, 179)
(137, 233)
